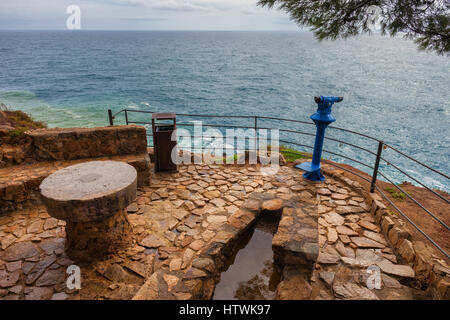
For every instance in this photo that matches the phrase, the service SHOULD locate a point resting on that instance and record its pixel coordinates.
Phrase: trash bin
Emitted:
(162, 140)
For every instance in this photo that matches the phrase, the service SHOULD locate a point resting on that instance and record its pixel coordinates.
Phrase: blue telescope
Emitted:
(322, 118)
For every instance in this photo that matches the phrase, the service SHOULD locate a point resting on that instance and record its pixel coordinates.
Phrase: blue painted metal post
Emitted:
(322, 118)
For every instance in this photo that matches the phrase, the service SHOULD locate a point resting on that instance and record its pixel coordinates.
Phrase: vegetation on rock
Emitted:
(291, 154)
(13, 125)
(396, 194)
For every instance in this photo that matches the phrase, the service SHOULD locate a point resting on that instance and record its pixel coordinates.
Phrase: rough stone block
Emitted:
(422, 262)
(241, 219)
(379, 214)
(442, 289)
(406, 250)
(386, 224)
(398, 233)
(294, 286)
(372, 197)
(296, 241)
(78, 143)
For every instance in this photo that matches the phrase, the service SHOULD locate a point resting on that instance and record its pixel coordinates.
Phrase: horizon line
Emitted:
(183, 30)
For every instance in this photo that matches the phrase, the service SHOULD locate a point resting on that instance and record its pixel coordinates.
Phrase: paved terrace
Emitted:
(186, 224)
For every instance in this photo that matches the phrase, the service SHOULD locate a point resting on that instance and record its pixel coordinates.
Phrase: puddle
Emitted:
(251, 274)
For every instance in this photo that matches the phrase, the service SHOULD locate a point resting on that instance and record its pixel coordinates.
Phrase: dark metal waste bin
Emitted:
(162, 140)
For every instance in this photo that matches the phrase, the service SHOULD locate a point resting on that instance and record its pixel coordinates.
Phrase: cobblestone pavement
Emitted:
(179, 224)
(351, 242)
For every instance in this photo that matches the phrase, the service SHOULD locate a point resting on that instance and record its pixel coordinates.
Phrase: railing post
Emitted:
(375, 169)
(256, 135)
(111, 118)
(126, 116)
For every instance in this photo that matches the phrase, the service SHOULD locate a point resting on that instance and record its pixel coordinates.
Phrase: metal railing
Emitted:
(375, 168)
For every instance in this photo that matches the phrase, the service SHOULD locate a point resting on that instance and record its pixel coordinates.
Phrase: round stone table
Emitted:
(91, 197)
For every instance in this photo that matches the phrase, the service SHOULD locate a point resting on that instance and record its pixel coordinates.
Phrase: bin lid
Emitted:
(164, 115)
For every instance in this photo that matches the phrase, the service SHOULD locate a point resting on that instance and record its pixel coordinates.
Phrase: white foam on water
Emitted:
(17, 95)
(133, 106)
(77, 116)
(428, 181)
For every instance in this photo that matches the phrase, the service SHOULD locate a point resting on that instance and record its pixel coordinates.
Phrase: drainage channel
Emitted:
(251, 273)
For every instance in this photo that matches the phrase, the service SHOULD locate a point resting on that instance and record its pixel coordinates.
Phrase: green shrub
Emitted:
(396, 194)
(20, 121)
(392, 213)
(291, 154)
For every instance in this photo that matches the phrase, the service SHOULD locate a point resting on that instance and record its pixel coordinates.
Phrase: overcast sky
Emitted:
(144, 15)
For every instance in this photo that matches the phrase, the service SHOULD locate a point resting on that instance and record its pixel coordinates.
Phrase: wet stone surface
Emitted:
(186, 224)
(252, 274)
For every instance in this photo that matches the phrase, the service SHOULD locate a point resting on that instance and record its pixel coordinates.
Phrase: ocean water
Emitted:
(391, 90)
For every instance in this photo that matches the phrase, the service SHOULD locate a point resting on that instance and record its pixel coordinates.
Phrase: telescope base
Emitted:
(312, 174)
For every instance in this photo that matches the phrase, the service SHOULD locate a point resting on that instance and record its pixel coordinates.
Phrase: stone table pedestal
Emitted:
(91, 197)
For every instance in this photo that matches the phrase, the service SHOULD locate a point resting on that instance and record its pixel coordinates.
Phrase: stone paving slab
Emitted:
(350, 242)
(186, 223)
(296, 240)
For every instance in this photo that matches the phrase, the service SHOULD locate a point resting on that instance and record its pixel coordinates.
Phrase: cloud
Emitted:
(182, 6)
(144, 14)
(144, 19)
(244, 6)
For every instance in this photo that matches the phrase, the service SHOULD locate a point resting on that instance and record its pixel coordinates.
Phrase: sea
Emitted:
(392, 91)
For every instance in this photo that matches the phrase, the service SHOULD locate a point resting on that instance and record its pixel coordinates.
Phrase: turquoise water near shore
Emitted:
(392, 91)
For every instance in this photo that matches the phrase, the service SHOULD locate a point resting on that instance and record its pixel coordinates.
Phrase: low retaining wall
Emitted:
(79, 143)
(49, 150)
(430, 271)
(61, 144)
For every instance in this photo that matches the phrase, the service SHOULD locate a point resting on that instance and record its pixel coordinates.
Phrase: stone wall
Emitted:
(61, 144)
(430, 271)
(79, 143)
(48, 150)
